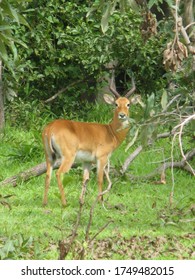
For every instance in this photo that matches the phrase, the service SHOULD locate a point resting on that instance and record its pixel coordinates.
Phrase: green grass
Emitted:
(145, 225)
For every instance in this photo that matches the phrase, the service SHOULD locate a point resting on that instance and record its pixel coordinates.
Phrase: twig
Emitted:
(188, 119)
(190, 24)
(100, 230)
(62, 90)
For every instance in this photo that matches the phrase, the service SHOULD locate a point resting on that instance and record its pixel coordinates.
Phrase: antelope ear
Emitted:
(109, 99)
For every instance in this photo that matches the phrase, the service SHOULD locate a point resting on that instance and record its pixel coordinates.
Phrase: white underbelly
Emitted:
(84, 156)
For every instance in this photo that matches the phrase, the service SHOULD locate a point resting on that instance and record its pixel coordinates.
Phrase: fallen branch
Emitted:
(137, 151)
(178, 164)
(130, 159)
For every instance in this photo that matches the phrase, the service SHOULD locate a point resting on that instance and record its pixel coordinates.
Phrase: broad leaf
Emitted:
(5, 27)
(3, 51)
(105, 18)
(164, 99)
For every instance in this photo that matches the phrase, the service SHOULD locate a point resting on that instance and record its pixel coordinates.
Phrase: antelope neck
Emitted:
(118, 132)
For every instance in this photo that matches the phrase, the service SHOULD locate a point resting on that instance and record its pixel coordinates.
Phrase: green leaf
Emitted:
(149, 106)
(164, 100)
(14, 14)
(5, 27)
(13, 49)
(105, 17)
(3, 52)
(170, 3)
(23, 20)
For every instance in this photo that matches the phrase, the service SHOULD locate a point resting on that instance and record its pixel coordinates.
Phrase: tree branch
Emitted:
(62, 90)
(28, 174)
(178, 164)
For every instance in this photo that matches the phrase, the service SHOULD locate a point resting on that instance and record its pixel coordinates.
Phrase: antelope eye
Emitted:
(116, 104)
(128, 105)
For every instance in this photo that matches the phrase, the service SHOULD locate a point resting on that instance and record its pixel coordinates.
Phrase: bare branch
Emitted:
(181, 126)
(62, 90)
(130, 159)
(100, 230)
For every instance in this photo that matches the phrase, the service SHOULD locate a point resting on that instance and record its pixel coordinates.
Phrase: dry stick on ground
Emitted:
(27, 175)
(178, 164)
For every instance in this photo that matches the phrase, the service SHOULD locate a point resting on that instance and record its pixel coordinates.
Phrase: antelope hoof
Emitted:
(64, 203)
(100, 198)
(81, 200)
(44, 203)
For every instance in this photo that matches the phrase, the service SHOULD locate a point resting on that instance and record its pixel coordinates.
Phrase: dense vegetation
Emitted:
(56, 58)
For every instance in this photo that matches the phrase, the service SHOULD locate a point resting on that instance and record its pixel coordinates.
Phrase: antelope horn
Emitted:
(113, 86)
(130, 92)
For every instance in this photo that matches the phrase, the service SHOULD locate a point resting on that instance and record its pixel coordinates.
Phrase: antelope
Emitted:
(85, 142)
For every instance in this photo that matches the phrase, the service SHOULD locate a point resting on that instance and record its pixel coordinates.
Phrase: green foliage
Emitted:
(64, 45)
(8, 17)
(28, 114)
(16, 248)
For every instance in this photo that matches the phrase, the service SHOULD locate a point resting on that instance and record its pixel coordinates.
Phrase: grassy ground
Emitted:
(145, 225)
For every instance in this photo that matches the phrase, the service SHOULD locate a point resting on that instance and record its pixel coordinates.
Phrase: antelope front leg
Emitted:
(101, 170)
(47, 182)
(64, 168)
(86, 170)
(107, 176)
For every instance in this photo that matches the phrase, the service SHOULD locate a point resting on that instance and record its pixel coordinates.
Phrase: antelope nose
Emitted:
(121, 116)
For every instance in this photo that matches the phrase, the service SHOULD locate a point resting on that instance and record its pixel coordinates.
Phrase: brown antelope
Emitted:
(85, 142)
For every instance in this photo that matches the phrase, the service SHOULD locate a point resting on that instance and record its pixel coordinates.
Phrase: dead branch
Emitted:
(130, 159)
(181, 126)
(137, 151)
(100, 230)
(27, 175)
(178, 164)
(62, 90)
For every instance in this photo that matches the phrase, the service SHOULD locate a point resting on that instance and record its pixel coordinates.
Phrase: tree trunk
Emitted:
(2, 117)
(188, 15)
(188, 19)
